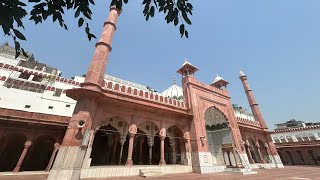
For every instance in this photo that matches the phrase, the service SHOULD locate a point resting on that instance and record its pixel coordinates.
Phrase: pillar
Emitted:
(252, 101)
(114, 150)
(56, 148)
(250, 155)
(130, 150)
(235, 158)
(162, 160)
(122, 141)
(150, 144)
(260, 155)
(173, 149)
(22, 156)
(140, 149)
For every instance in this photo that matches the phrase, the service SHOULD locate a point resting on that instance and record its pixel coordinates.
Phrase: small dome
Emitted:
(218, 78)
(174, 92)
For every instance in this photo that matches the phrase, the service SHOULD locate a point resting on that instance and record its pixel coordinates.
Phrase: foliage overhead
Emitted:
(12, 13)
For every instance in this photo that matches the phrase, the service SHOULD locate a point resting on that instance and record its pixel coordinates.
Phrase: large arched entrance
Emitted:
(39, 155)
(105, 145)
(148, 150)
(218, 135)
(174, 144)
(11, 154)
(264, 151)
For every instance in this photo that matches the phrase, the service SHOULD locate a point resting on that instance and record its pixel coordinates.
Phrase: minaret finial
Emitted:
(174, 80)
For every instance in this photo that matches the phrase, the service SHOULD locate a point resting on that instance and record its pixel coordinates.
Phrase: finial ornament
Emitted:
(174, 80)
(242, 73)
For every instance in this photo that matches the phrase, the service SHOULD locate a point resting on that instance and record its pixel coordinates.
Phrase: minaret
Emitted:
(98, 64)
(252, 101)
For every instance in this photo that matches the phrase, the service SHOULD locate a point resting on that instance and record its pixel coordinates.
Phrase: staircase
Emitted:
(150, 172)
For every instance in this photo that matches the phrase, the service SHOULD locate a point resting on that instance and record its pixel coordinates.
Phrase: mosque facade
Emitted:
(98, 125)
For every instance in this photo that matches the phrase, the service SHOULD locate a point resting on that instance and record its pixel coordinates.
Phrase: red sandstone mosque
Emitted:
(119, 128)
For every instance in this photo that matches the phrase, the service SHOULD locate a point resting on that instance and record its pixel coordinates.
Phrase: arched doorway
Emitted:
(254, 151)
(264, 151)
(11, 154)
(218, 134)
(39, 155)
(105, 145)
(148, 150)
(175, 146)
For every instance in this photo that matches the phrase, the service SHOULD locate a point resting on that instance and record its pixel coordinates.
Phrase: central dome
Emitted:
(174, 92)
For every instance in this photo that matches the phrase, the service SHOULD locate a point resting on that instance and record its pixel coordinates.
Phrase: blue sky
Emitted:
(276, 43)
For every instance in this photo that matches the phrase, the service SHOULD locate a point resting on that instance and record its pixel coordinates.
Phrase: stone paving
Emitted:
(288, 173)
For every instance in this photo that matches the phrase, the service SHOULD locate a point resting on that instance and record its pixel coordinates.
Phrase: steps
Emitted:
(150, 172)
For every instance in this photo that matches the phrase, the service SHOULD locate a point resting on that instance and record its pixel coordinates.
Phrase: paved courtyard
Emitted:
(288, 173)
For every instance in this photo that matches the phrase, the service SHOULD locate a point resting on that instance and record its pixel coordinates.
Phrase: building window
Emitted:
(299, 138)
(27, 106)
(24, 76)
(311, 137)
(305, 138)
(37, 78)
(289, 139)
(68, 105)
(282, 139)
(58, 92)
(50, 107)
(276, 140)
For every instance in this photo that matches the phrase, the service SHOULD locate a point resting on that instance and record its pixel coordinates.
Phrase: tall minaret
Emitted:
(252, 101)
(98, 64)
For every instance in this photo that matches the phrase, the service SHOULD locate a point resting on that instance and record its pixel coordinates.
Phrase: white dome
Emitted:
(218, 78)
(173, 91)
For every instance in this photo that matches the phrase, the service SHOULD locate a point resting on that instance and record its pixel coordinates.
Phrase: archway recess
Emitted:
(219, 137)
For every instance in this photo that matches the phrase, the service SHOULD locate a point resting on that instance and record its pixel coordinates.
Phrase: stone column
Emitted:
(56, 148)
(230, 163)
(122, 141)
(114, 150)
(250, 155)
(22, 156)
(235, 158)
(260, 155)
(140, 149)
(150, 144)
(162, 160)
(173, 149)
(130, 150)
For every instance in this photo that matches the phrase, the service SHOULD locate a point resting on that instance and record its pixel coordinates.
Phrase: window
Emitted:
(311, 137)
(305, 138)
(299, 138)
(68, 105)
(282, 139)
(37, 78)
(276, 140)
(24, 76)
(58, 92)
(289, 139)
(27, 106)
(50, 107)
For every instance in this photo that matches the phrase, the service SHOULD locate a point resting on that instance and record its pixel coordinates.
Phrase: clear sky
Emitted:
(276, 43)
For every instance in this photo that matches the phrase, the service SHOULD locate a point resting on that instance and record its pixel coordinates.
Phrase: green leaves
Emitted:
(19, 34)
(12, 12)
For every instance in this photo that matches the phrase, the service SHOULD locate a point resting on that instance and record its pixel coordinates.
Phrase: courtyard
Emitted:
(288, 173)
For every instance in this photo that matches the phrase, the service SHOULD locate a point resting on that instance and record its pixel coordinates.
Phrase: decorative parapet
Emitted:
(211, 88)
(115, 87)
(248, 122)
(297, 129)
(38, 73)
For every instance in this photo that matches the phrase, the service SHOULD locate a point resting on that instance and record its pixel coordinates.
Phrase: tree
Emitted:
(12, 13)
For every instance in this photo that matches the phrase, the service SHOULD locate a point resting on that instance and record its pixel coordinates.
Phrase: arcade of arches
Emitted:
(23, 151)
(113, 145)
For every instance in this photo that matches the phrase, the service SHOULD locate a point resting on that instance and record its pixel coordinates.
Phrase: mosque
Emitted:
(97, 125)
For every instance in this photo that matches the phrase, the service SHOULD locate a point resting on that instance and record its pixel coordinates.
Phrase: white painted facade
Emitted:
(296, 136)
